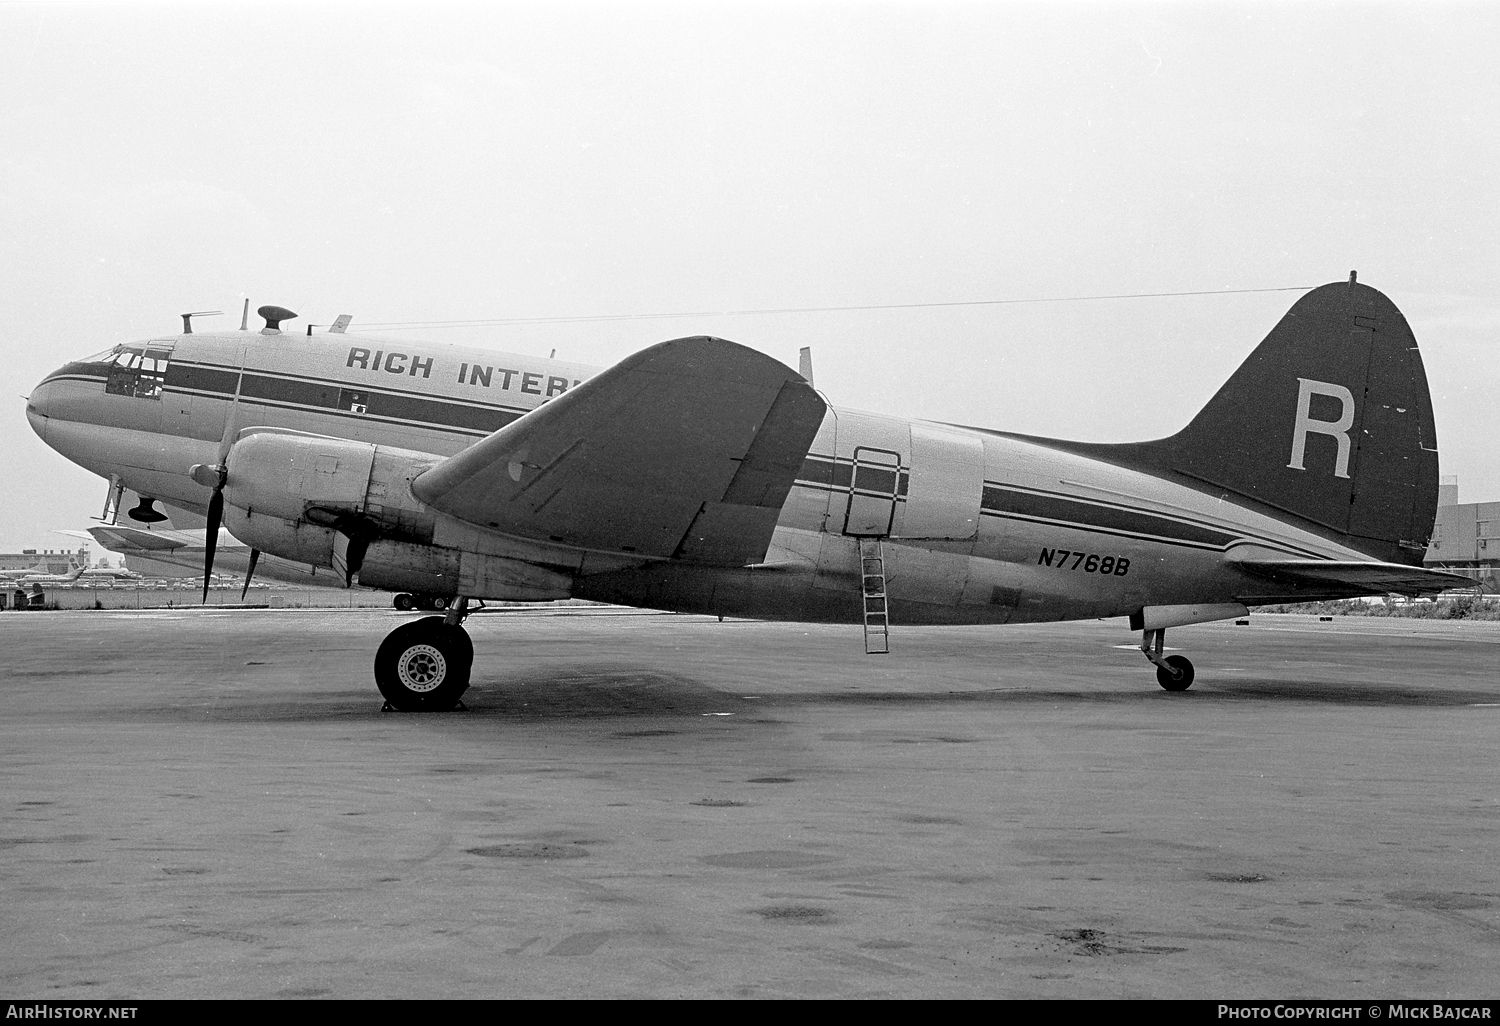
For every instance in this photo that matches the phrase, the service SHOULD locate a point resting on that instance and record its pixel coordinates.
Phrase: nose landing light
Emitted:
(36, 418)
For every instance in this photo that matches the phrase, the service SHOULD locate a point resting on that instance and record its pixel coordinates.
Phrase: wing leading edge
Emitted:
(685, 450)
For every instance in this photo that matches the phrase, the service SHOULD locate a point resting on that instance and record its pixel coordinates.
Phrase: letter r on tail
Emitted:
(1338, 429)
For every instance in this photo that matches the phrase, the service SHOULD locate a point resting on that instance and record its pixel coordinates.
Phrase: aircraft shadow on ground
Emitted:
(558, 693)
(566, 693)
(584, 692)
(1344, 693)
(637, 691)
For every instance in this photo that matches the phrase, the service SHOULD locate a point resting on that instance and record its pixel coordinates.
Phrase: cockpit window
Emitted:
(105, 357)
(137, 371)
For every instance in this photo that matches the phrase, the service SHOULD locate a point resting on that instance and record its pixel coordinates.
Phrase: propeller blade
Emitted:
(211, 538)
(254, 558)
(215, 477)
(231, 419)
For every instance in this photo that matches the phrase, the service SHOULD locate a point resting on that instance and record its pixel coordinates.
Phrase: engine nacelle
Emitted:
(329, 482)
(348, 505)
(308, 497)
(297, 540)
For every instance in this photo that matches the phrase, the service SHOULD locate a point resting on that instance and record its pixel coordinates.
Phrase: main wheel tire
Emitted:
(423, 665)
(404, 603)
(439, 602)
(1183, 678)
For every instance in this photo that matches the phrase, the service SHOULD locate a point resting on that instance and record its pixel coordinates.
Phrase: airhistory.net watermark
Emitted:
(53, 1010)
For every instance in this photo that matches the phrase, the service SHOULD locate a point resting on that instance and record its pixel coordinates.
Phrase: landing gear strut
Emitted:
(1175, 673)
(423, 665)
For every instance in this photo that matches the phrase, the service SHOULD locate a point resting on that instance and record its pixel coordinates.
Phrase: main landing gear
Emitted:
(423, 665)
(406, 603)
(1175, 673)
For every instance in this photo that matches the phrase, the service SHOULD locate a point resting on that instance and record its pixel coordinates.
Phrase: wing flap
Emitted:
(685, 450)
(1369, 577)
(727, 534)
(776, 454)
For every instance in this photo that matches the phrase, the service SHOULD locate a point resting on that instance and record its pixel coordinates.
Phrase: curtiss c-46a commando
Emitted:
(701, 476)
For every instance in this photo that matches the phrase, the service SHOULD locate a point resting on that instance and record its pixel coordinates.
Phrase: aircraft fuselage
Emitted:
(976, 526)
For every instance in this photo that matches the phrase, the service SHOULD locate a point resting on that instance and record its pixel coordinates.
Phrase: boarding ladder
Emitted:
(872, 584)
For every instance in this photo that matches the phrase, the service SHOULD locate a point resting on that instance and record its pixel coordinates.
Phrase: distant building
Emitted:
(50, 561)
(1466, 537)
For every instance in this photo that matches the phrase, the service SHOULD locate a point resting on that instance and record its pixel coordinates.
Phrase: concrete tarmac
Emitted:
(211, 804)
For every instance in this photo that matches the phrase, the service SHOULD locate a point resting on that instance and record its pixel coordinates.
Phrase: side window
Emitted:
(123, 373)
(153, 374)
(353, 401)
(138, 373)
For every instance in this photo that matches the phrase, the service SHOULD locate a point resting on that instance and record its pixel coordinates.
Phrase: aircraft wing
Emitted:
(84, 535)
(1367, 577)
(119, 538)
(685, 450)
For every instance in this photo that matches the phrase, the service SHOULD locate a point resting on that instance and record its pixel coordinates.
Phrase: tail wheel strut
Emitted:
(1174, 673)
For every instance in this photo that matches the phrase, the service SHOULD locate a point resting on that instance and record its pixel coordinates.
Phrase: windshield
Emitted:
(105, 357)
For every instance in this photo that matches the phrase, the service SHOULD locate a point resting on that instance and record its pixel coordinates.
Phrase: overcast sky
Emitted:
(420, 162)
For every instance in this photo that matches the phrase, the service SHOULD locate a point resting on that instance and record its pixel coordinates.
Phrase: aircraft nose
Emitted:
(37, 405)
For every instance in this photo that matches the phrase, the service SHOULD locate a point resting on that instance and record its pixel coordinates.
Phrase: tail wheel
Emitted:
(423, 666)
(1178, 681)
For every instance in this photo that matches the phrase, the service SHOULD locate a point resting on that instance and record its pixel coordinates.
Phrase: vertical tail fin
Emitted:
(1329, 419)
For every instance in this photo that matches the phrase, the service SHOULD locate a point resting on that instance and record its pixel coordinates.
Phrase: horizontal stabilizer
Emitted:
(684, 450)
(1366, 578)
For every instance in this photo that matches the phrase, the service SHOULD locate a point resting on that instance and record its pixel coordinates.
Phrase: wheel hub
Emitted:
(421, 668)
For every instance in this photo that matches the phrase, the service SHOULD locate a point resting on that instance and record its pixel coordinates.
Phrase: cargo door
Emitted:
(872, 492)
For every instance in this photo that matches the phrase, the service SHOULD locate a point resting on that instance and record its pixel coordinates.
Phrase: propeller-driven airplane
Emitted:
(701, 476)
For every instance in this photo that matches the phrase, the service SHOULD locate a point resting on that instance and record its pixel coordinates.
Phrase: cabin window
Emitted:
(353, 401)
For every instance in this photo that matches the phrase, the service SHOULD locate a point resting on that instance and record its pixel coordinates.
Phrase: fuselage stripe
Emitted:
(1064, 509)
(315, 395)
(820, 472)
(271, 404)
